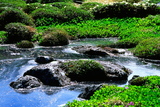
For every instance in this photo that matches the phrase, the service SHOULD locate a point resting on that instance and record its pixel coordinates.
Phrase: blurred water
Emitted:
(13, 63)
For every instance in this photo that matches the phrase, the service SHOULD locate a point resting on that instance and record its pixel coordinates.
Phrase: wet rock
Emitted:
(111, 50)
(49, 74)
(92, 50)
(26, 82)
(115, 71)
(44, 59)
(89, 91)
(90, 70)
(137, 80)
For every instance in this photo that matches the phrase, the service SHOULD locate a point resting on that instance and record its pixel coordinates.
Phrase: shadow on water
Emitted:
(14, 62)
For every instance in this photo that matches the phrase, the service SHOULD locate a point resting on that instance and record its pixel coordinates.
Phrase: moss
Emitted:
(148, 81)
(54, 37)
(25, 44)
(148, 48)
(18, 31)
(84, 70)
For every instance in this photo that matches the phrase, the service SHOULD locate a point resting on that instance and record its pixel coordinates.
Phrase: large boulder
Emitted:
(115, 71)
(91, 70)
(26, 82)
(49, 74)
(92, 50)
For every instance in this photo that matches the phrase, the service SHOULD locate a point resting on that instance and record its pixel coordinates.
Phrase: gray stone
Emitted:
(26, 82)
(49, 74)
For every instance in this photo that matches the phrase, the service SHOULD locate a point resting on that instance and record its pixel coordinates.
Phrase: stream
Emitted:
(14, 62)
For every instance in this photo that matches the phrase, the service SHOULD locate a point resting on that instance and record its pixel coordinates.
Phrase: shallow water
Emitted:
(13, 63)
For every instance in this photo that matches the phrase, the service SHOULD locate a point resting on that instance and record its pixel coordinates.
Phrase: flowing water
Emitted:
(14, 62)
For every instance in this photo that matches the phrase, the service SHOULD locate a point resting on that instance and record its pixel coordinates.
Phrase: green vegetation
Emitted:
(3, 36)
(148, 48)
(54, 37)
(25, 44)
(84, 70)
(15, 3)
(127, 21)
(18, 31)
(10, 15)
(128, 96)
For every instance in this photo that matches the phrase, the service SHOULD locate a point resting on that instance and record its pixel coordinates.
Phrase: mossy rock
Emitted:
(18, 31)
(25, 44)
(148, 81)
(148, 48)
(84, 70)
(54, 37)
(13, 15)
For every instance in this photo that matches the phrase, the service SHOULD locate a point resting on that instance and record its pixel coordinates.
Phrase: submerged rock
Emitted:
(26, 82)
(49, 74)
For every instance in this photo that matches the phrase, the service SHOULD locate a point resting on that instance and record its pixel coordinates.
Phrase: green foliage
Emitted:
(8, 15)
(90, 5)
(31, 7)
(32, 1)
(148, 81)
(14, 3)
(153, 1)
(18, 31)
(51, 1)
(45, 17)
(3, 36)
(148, 48)
(61, 5)
(124, 9)
(113, 96)
(54, 37)
(84, 70)
(25, 44)
(75, 14)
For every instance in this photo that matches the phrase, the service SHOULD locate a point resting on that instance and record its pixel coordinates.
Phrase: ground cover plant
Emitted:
(128, 96)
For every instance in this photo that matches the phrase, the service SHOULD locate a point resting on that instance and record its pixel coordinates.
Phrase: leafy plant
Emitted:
(109, 96)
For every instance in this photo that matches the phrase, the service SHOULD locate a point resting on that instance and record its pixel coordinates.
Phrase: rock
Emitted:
(137, 80)
(44, 59)
(111, 50)
(92, 50)
(90, 70)
(115, 71)
(49, 74)
(26, 82)
(89, 91)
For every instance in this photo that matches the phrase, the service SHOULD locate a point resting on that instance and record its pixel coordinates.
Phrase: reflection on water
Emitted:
(14, 62)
